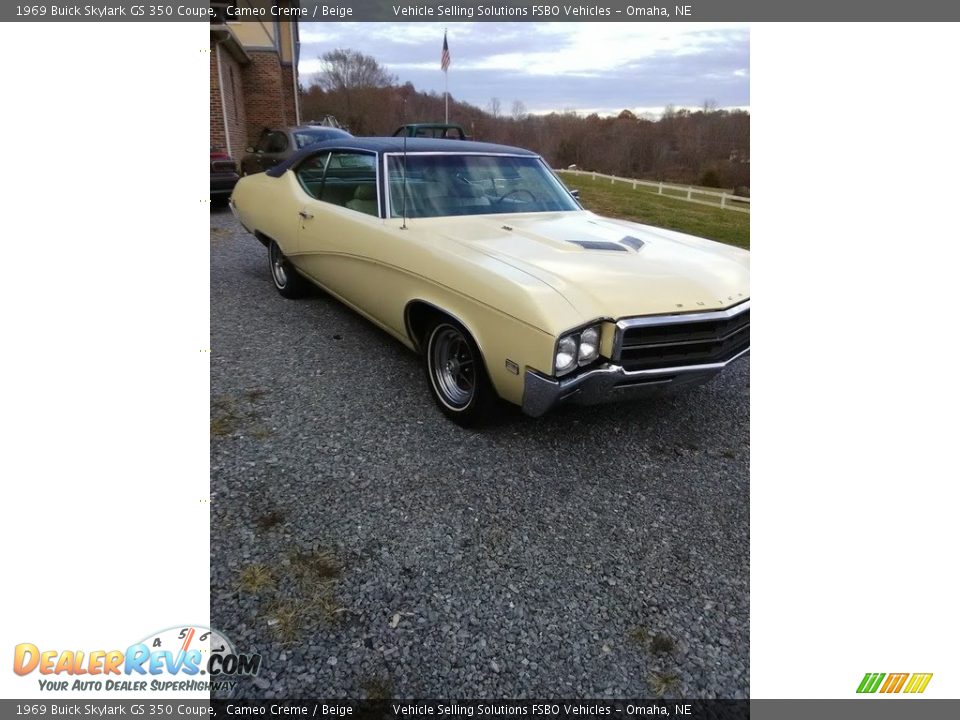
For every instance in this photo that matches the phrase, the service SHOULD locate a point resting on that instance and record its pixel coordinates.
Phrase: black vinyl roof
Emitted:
(382, 145)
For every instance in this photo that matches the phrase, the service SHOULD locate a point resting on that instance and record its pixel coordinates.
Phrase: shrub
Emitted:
(711, 178)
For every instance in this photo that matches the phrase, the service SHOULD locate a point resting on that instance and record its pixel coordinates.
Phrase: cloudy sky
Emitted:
(587, 67)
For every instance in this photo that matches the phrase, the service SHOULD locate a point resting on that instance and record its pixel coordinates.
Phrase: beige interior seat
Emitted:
(364, 199)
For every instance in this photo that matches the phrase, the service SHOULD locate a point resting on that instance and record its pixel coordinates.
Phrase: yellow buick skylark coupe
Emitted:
(477, 257)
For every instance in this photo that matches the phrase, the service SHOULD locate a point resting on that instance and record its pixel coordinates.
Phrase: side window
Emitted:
(263, 141)
(351, 182)
(303, 139)
(310, 173)
(276, 142)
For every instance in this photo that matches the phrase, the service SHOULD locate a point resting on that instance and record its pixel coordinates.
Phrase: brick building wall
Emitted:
(218, 137)
(235, 103)
(227, 100)
(257, 92)
(289, 108)
(265, 90)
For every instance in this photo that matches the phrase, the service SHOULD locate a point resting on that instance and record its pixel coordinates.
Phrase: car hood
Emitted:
(611, 268)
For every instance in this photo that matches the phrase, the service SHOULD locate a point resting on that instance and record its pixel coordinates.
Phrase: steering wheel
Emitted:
(533, 198)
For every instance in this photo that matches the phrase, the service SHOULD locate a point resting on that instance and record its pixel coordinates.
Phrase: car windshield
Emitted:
(450, 184)
(309, 137)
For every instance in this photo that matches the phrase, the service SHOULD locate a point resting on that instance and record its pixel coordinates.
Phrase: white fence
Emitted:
(724, 200)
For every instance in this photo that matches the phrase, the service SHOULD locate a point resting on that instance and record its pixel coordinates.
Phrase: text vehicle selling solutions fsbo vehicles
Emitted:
(479, 258)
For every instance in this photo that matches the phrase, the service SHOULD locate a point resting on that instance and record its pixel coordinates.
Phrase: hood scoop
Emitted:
(599, 245)
(624, 245)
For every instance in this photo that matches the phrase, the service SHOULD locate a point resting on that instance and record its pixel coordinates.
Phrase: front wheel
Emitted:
(286, 279)
(458, 378)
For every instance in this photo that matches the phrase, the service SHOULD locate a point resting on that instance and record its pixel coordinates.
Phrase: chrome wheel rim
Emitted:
(452, 367)
(277, 266)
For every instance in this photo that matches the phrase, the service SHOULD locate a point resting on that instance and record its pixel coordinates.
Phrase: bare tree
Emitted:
(519, 110)
(355, 78)
(349, 69)
(495, 107)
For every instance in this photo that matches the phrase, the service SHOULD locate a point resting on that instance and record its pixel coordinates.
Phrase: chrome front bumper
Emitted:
(610, 383)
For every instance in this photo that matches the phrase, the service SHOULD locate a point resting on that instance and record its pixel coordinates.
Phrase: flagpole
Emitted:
(446, 78)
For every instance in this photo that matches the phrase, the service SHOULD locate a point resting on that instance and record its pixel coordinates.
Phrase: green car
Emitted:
(445, 131)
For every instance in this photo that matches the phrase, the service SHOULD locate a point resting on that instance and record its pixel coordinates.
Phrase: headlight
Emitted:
(589, 345)
(577, 349)
(566, 354)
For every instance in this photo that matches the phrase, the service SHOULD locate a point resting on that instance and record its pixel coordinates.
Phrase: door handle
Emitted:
(305, 215)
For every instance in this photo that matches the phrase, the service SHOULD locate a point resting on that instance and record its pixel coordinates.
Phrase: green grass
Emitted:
(664, 683)
(662, 644)
(378, 688)
(302, 593)
(620, 200)
(255, 578)
(639, 635)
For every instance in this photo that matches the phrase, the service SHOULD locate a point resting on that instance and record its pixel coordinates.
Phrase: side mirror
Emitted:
(576, 194)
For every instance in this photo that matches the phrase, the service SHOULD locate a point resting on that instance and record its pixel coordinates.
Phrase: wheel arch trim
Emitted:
(415, 340)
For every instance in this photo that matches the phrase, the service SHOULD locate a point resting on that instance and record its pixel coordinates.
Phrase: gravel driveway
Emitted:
(368, 547)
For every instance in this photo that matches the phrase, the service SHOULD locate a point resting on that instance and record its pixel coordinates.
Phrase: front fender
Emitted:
(509, 346)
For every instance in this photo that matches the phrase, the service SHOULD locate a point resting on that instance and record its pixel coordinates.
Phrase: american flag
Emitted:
(445, 55)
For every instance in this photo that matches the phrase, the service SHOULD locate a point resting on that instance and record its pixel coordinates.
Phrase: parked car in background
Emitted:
(223, 175)
(277, 144)
(328, 121)
(447, 131)
(479, 258)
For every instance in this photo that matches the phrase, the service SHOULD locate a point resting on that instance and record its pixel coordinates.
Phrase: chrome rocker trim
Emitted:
(610, 383)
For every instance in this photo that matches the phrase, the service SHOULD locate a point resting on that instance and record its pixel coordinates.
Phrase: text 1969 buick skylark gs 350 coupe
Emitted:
(479, 258)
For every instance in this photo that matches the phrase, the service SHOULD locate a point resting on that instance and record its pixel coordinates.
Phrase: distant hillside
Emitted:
(706, 147)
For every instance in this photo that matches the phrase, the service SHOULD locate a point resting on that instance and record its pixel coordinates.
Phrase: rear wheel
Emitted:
(457, 376)
(286, 279)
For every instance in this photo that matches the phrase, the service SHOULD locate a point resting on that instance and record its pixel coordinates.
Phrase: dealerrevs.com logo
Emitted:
(182, 659)
(894, 683)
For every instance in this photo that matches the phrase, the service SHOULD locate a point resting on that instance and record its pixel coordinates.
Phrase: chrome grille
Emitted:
(666, 341)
